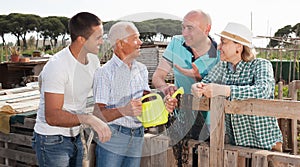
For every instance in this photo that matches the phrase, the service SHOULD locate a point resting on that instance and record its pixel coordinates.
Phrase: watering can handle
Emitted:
(178, 91)
(149, 95)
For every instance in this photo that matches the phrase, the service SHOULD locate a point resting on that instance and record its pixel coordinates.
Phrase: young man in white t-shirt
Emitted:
(66, 81)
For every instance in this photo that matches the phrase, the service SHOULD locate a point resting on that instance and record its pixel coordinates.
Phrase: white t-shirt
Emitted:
(63, 74)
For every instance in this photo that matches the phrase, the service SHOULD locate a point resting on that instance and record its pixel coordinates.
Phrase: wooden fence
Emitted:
(219, 154)
(15, 147)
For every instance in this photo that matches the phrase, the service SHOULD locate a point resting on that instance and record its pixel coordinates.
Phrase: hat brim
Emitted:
(235, 40)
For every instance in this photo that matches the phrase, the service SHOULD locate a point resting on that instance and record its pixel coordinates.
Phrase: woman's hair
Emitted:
(248, 54)
(82, 25)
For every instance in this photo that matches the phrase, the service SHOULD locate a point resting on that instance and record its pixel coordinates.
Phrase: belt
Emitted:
(127, 130)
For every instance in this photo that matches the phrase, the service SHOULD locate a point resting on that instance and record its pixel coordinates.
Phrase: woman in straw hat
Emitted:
(240, 75)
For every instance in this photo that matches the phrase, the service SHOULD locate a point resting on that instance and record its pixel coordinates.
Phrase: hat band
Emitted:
(238, 38)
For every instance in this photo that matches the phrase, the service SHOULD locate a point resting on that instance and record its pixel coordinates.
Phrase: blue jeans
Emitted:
(124, 148)
(57, 150)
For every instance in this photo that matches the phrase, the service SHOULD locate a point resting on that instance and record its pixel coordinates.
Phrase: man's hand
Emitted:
(170, 103)
(133, 108)
(99, 126)
(193, 72)
(169, 89)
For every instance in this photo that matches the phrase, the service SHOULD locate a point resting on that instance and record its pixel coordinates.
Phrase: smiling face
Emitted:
(195, 28)
(93, 43)
(131, 45)
(230, 51)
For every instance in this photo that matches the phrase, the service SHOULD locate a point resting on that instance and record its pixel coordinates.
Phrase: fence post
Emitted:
(293, 89)
(217, 131)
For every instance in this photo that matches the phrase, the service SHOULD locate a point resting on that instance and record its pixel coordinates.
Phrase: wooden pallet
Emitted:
(15, 147)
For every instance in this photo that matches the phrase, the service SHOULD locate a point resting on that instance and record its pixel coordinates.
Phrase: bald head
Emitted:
(199, 18)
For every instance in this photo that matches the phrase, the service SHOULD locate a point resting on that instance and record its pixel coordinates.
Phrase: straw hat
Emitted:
(238, 33)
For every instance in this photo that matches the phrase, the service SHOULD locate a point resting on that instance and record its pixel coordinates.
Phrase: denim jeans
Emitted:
(124, 148)
(57, 150)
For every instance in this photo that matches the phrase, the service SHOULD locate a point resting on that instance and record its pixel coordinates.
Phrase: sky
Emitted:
(264, 17)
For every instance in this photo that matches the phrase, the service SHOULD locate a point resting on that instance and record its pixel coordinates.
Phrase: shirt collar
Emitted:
(119, 62)
(239, 66)
(212, 52)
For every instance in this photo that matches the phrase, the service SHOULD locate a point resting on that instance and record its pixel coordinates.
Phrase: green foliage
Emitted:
(281, 37)
(51, 28)
(275, 54)
(285, 91)
(150, 28)
(296, 29)
(20, 24)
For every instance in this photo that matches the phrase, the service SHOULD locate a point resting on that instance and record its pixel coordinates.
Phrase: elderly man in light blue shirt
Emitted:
(118, 86)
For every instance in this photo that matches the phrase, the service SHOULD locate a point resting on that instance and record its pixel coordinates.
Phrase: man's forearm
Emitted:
(159, 82)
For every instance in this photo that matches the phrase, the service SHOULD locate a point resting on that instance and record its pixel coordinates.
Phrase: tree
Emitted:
(21, 24)
(296, 29)
(107, 25)
(51, 27)
(15, 25)
(282, 35)
(65, 22)
(150, 28)
(147, 31)
(3, 27)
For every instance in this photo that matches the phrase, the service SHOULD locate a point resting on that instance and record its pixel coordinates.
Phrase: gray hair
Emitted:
(120, 31)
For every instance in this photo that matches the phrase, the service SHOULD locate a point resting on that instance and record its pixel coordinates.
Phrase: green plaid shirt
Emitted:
(252, 79)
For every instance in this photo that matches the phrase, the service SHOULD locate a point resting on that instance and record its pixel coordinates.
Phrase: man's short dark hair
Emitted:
(81, 25)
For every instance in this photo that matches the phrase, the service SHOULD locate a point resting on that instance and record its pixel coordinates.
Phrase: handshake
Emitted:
(210, 90)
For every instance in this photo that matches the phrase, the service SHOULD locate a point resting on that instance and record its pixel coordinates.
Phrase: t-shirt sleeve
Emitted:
(168, 53)
(54, 78)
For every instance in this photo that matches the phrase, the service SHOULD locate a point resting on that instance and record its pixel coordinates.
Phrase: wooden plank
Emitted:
(146, 154)
(203, 156)
(243, 151)
(155, 150)
(202, 103)
(278, 159)
(271, 156)
(24, 106)
(16, 139)
(28, 123)
(170, 157)
(294, 136)
(230, 158)
(23, 99)
(159, 147)
(293, 92)
(27, 158)
(16, 90)
(217, 132)
(192, 144)
(260, 158)
(263, 107)
(242, 161)
(297, 84)
(19, 95)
